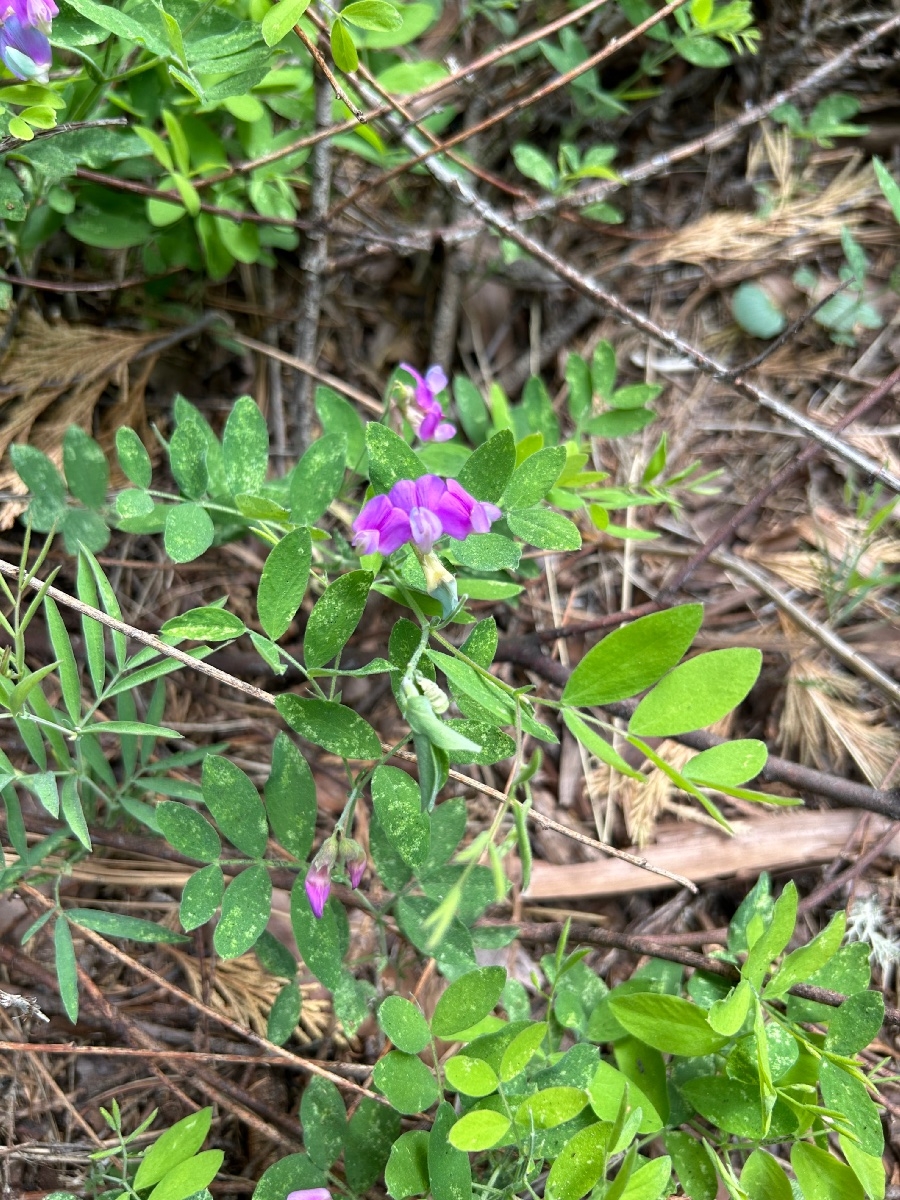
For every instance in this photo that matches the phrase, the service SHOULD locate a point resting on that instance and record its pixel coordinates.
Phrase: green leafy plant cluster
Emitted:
(658, 1084)
(435, 887)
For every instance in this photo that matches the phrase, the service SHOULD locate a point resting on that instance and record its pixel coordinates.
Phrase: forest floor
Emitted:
(718, 195)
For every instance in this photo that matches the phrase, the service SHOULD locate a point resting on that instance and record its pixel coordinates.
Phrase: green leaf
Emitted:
(620, 423)
(108, 17)
(534, 164)
(855, 1023)
(470, 1076)
(648, 1182)
(335, 616)
(607, 1092)
(449, 1171)
(210, 624)
(189, 532)
(73, 813)
(399, 809)
(598, 745)
(246, 907)
(83, 529)
(697, 693)
(372, 14)
(187, 455)
(338, 416)
(95, 648)
(406, 1081)
(888, 185)
(496, 746)
(702, 51)
(633, 657)
(580, 1165)
(330, 725)
(66, 967)
(406, 1173)
(290, 795)
(296, 1172)
(532, 481)
(69, 679)
(234, 802)
(282, 584)
(521, 1050)
(773, 938)
(176, 1145)
(821, 1176)
(551, 1107)
(201, 896)
(545, 529)
(281, 18)
(190, 1177)
(343, 51)
(804, 961)
(485, 552)
(274, 956)
(284, 1014)
(727, 1016)
(245, 446)
(756, 313)
(467, 1000)
(320, 941)
(404, 1024)
(693, 1168)
(490, 468)
(113, 924)
(728, 765)
(390, 459)
(667, 1023)
(188, 831)
(479, 1130)
(324, 1120)
(86, 468)
(850, 1097)
(317, 478)
(868, 1168)
(371, 1132)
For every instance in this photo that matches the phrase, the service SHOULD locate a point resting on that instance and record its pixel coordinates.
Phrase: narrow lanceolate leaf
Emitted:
(209, 624)
(113, 924)
(334, 617)
(62, 650)
(283, 582)
(633, 658)
(281, 19)
(95, 650)
(66, 967)
(72, 812)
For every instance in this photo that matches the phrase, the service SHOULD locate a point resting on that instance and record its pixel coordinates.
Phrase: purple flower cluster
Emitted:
(420, 511)
(24, 46)
(341, 850)
(427, 419)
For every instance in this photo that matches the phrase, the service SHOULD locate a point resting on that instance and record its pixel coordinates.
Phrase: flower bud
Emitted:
(318, 877)
(355, 861)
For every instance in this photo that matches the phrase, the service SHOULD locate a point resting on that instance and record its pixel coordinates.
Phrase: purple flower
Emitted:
(381, 527)
(318, 885)
(310, 1194)
(429, 422)
(33, 12)
(25, 50)
(420, 511)
(461, 514)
